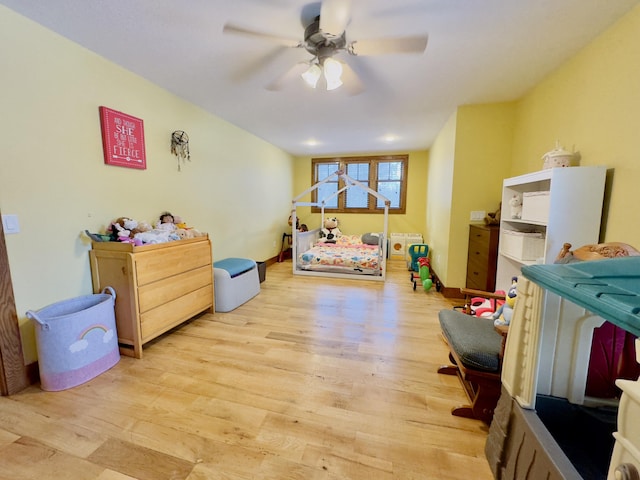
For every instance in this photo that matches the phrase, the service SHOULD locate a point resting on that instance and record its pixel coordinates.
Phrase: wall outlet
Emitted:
(478, 215)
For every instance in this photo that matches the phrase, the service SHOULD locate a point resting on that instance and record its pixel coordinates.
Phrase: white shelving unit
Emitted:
(574, 215)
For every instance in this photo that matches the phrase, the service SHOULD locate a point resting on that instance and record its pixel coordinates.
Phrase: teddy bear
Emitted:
(504, 314)
(122, 229)
(516, 206)
(493, 218)
(184, 233)
(330, 233)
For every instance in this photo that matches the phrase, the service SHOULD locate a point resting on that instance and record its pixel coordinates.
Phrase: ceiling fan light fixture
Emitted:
(333, 84)
(312, 75)
(332, 72)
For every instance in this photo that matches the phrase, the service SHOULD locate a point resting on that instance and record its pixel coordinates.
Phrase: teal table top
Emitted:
(609, 288)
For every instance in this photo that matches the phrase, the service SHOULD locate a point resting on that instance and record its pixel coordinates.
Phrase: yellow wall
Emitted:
(439, 198)
(473, 154)
(237, 187)
(484, 135)
(593, 103)
(413, 221)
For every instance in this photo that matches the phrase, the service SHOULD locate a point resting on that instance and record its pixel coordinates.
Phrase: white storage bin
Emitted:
(398, 243)
(411, 238)
(535, 206)
(522, 245)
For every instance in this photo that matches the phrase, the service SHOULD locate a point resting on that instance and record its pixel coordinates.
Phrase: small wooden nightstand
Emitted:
(482, 257)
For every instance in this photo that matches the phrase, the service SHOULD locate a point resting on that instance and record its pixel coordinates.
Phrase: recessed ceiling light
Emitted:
(312, 142)
(389, 138)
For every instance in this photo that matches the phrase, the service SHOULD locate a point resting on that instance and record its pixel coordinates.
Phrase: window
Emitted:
(385, 174)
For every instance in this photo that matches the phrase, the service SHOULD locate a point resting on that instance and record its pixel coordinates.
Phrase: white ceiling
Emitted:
(479, 51)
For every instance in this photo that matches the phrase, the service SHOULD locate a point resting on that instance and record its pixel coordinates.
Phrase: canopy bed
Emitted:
(361, 256)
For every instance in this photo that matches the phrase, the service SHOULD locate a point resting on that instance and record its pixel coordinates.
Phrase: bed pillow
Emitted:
(371, 238)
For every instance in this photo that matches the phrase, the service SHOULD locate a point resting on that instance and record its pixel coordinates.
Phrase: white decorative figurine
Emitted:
(516, 206)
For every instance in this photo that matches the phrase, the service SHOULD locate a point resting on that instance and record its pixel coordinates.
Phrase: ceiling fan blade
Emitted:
(254, 66)
(334, 16)
(237, 30)
(288, 77)
(383, 46)
(352, 83)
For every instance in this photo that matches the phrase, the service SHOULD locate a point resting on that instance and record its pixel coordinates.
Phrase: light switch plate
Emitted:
(478, 215)
(10, 224)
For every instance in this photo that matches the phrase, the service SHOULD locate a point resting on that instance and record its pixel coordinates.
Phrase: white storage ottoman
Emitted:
(236, 281)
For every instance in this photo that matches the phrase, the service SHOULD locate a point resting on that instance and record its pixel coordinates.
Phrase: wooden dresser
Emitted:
(157, 286)
(482, 257)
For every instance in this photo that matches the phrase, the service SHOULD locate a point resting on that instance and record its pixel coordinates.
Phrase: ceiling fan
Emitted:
(324, 37)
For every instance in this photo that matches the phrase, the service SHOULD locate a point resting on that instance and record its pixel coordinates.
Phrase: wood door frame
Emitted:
(14, 374)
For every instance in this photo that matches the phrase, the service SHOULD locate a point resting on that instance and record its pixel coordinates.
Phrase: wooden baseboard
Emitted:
(33, 373)
(447, 292)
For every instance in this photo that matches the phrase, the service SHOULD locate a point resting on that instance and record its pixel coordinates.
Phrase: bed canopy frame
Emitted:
(348, 183)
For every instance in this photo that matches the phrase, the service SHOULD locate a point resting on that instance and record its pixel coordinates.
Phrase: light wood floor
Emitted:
(312, 379)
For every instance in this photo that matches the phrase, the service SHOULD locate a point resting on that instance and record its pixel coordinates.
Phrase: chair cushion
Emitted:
(474, 340)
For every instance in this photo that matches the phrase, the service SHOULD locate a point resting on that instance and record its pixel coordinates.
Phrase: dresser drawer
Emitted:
(155, 321)
(477, 274)
(159, 264)
(480, 235)
(158, 293)
(478, 251)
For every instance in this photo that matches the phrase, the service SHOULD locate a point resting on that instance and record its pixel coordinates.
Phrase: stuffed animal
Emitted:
(516, 206)
(486, 307)
(330, 233)
(121, 229)
(301, 227)
(156, 236)
(179, 223)
(184, 233)
(493, 218)
(504, 314)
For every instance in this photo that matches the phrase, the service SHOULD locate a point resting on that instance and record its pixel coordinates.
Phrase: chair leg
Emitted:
(449, 370)
(465, 411)
(484, 398)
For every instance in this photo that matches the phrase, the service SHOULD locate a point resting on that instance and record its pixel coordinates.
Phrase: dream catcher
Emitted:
(180, 146)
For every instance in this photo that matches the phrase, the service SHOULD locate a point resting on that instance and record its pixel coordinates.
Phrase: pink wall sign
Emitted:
(122, 139)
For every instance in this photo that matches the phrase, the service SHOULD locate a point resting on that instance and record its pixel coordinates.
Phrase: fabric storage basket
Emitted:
(522, 245)
(76, 339)
(535, 206)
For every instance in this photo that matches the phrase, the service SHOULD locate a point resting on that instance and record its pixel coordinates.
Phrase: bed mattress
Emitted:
(347, 254)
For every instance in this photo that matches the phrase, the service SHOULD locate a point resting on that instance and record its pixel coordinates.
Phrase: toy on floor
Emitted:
(486, 307)
(504, 314)
(414, 252)
(424, 274)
